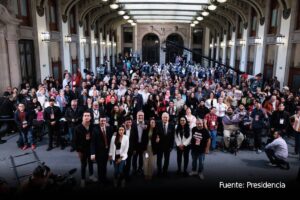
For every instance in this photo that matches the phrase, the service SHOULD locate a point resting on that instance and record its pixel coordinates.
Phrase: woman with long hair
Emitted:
(118, 154)
(149, 146)
(183, 138)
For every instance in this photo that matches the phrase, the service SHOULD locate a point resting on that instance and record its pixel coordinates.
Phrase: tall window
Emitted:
(197, 36)
(274, 17)
(22, 11)
(298, 17)
(240, 28)
(229, 32)
(86, 27)
(53, 15)
(253, 23)
(73, 21)
(128, 34)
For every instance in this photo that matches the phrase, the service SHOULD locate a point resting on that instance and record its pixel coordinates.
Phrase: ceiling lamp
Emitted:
(212, 7)
(205, 13)
(114, 6)
(200, 18)
(221, 1)
(121, 12)
(195, 22)
(126, 17)
(133, 24)
(130, 21)
(193, 25)
(104, 0)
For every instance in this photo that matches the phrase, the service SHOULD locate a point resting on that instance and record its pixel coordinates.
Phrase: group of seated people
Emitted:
(139, 118)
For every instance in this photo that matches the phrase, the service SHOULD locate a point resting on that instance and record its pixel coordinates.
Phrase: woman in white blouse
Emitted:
(118, 154)
(211, 102)
(183, 138)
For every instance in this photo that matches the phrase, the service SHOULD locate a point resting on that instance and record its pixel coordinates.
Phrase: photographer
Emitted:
(231, 125)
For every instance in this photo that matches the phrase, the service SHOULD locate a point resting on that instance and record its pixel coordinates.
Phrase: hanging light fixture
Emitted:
(205, 13)
(212, 7)
(195, 22)
(121, 12)
(221, 1)
(130, 21)
(193, 25)
(199, 18)
(133, 24)
(114, 6)
(126, 17)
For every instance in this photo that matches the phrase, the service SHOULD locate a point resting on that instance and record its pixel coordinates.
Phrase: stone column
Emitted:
(282, 52)
(218, 48)
(65, 46)
(101, 48)
(113, 48)
(224, 49)
(5, 74)
(244, 57)
(93, 51)
(233, 49)
(14, 62)
(81, 49)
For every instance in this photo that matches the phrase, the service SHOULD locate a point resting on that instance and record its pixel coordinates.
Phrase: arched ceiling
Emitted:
(179, 11)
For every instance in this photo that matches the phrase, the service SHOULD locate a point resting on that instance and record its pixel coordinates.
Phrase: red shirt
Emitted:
(212, 121)
(22, 116)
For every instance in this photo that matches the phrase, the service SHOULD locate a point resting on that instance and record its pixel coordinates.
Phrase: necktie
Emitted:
(165, 130)
(104, 137)
(212, 103)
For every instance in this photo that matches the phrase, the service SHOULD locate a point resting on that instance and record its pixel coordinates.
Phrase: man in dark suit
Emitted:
(100, 143)
(52, 115)
(138, 126)
(165, 140)
(132, 134)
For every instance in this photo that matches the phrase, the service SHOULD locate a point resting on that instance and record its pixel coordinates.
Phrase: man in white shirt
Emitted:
(144, 92)
(277, 152)
(221, 109)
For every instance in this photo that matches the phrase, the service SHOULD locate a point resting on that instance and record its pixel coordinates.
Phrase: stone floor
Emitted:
(219, 167)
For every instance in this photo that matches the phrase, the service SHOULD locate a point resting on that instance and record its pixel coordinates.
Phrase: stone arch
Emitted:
(66, 9)
(225, 14)
(101, 12)
(152, 57)
(258, 8)
(89, 8)
(237, 9)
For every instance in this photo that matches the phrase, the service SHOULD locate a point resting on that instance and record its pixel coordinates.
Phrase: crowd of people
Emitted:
(134, 115)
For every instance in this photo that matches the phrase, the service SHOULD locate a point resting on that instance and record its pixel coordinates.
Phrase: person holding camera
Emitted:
(231, 125)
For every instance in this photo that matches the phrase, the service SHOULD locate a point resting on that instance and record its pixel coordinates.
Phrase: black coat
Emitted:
(276, 119)
(145, 141)
(132, 140)
(166, 141)
(81, 142)
(73, 114)
(47, 114)
(97, 143)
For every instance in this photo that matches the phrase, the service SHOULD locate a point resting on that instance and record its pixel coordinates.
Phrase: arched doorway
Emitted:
(150, 49)
(172, 51)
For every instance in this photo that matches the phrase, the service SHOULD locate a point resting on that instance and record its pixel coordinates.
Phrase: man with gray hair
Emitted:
(165, 141)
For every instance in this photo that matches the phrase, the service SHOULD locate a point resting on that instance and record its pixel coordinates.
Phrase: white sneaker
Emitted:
(93, 178)
(201, 176)
(82, 183)
(272, 165)
(258, 151)
(193, 173)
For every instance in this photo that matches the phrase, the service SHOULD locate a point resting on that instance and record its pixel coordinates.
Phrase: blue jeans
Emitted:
(119, 168)
(213, 135)
(25, 137)
(198, 156)
(71, 134)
